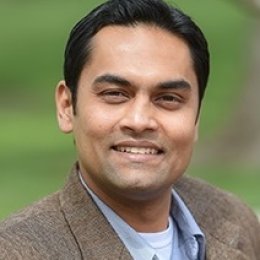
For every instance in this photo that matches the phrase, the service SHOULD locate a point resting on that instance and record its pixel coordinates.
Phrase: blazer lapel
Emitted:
(94, 235)
(222, 236)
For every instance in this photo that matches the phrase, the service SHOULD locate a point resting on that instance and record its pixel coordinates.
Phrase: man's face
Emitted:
(137, 104)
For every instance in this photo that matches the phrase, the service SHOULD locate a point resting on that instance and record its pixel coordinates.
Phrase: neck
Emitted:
(149, 215)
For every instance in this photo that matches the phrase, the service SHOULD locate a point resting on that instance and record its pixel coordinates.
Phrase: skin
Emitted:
(136, 120)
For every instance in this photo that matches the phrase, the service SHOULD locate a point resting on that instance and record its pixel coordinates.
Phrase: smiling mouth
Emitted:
(137, 150)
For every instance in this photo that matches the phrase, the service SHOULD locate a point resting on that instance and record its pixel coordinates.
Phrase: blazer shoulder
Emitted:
(39, 231)
(204, 196)
(31, 213)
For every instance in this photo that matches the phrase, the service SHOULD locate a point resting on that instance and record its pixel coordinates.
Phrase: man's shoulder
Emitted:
(44, 208)
(34, 230)
(202, 195)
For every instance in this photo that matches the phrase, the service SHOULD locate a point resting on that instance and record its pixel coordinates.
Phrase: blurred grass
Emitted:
(238, 179)
(34, 156)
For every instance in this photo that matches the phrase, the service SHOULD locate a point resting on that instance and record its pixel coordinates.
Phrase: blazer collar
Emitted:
(93, 234)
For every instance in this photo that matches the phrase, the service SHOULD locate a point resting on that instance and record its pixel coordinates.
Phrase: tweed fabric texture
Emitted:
(68, 225)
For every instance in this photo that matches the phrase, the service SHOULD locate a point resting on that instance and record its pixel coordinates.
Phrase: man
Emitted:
(135, 74)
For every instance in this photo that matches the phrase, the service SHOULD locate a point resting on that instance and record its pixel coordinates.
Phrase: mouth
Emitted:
(137, 150)
(141, 148)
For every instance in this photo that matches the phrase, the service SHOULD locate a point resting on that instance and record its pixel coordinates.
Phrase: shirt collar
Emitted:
(188, 226)
(183, 216)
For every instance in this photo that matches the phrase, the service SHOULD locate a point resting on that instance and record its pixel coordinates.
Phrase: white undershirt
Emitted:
(161, 242)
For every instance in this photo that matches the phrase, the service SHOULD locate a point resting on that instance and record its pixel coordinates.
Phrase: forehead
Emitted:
(142, 50)
(139, 38)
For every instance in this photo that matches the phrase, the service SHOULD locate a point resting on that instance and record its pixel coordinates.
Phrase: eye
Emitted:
(169, 98)
(114, 96)
(168, 101)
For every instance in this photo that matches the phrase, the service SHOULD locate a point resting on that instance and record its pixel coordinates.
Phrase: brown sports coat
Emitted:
(67, 225)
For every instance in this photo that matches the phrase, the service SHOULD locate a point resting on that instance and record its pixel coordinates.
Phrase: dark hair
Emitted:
(130, 13)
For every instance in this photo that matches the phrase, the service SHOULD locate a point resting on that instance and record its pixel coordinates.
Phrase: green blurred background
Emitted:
(35, 157)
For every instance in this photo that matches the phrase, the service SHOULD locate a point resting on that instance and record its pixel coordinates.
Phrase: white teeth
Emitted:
(137, 150)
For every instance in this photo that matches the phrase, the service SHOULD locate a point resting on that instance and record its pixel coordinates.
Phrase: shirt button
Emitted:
(193, 250)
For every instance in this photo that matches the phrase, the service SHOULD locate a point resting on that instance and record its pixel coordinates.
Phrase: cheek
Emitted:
(94, 123)
(182, 130)
(97, 124)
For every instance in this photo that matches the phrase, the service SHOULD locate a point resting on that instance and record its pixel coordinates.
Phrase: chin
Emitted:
(141, 190)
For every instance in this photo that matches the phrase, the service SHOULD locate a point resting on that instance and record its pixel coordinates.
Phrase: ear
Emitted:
(196, 135)
(64, 107)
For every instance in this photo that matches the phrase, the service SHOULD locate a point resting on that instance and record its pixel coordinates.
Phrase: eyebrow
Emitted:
(174, 84)
(118, 80)
(112, 79)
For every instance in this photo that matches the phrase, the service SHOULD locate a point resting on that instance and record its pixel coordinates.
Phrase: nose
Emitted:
(139, 117)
